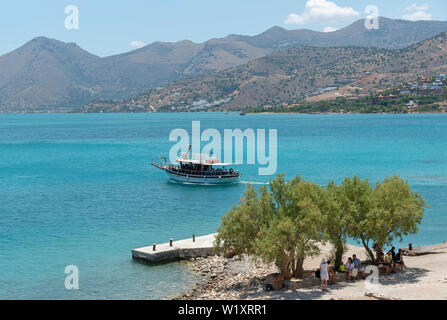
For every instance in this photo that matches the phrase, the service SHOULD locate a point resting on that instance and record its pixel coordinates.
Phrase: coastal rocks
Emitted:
(241, 278)
(223, 278)
(377, 296)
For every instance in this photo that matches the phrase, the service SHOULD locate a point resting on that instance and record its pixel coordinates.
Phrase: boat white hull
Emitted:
(202, 179)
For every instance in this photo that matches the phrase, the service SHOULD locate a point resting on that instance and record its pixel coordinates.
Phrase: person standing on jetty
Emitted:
(324, 274)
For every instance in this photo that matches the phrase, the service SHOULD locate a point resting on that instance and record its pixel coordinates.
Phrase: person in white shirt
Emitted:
(324, 274)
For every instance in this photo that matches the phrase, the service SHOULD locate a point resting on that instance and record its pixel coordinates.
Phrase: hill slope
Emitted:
(48, 74)
(290, 75)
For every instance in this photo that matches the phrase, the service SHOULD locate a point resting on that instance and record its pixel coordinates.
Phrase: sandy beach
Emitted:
(424, 278)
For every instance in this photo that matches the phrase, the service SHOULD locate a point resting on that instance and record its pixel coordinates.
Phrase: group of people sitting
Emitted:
(392, 261)
(354, 268)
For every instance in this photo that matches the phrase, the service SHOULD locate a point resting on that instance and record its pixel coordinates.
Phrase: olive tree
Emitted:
(357, 201)
(336, 219)
(242, 224)
(281, 225)
(381, 214)
(397, 211)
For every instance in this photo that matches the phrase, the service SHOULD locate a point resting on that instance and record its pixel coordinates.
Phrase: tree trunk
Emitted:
(371, 254)
(285, 270)
(379, 252)
(339, 250)
(284, 266)
(299, 270)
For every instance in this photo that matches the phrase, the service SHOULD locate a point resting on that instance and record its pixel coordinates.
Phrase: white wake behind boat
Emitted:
(199, 169)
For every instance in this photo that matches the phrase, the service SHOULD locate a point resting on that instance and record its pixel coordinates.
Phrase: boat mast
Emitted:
(186, 154)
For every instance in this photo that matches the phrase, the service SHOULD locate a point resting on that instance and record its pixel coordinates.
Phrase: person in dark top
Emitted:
(375, 246)
(399, 260)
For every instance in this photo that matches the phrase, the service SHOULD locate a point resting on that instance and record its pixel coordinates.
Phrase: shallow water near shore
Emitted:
(77, 189)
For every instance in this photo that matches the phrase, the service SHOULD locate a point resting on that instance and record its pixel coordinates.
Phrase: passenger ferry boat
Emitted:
(199, 169)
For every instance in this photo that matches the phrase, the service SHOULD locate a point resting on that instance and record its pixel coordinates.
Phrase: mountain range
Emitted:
(50, 75)
(289, 76)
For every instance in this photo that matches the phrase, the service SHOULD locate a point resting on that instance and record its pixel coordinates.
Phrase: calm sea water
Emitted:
(77, 189)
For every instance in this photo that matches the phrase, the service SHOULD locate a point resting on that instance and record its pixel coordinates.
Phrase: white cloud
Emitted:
(418, 12)
(417, 16)
(329, 29)
(322, 10)
(415, 7)
(137, 44)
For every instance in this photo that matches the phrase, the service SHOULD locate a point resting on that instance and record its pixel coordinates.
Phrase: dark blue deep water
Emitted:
(77, 189)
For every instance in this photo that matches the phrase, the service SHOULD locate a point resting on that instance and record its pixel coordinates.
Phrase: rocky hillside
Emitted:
(47, 74)
(291, 75)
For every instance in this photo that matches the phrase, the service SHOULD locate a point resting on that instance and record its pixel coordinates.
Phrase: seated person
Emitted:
(349, 267)
(382, 265)
(331, 274)
(362, 271)
(399, 260)
(356, 262)
(393, 253)
(389, 261)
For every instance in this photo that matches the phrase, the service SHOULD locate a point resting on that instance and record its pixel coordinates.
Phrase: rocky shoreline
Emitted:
(227, 278)
(236, 278)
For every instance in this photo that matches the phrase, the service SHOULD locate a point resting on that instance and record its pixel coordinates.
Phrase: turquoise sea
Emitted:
(77, 189)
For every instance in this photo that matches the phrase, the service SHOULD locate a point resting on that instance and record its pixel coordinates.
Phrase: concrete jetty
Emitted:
(429, 249)
(176, 250)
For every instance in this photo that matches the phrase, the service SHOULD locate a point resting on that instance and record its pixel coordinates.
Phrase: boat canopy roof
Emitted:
(202, 159)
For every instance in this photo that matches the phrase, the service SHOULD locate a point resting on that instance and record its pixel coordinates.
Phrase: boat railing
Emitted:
(197, 156)
(214, 172)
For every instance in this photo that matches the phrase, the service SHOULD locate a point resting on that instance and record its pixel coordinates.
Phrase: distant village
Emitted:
(423, 95)
(435, 86)
(410, 97)
(425, 87)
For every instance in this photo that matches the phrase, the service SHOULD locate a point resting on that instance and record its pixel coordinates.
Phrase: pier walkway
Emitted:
(176, 250)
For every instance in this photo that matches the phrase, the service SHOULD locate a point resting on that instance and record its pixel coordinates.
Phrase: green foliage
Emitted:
(389, 211)
(242, 224)
(336, 213)
(356, 196)
(397, 212)
(281, 226)
(283, 223)
(429, 108)
(370, 104)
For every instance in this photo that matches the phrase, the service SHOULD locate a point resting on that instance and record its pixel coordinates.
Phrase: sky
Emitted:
(111, 27)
